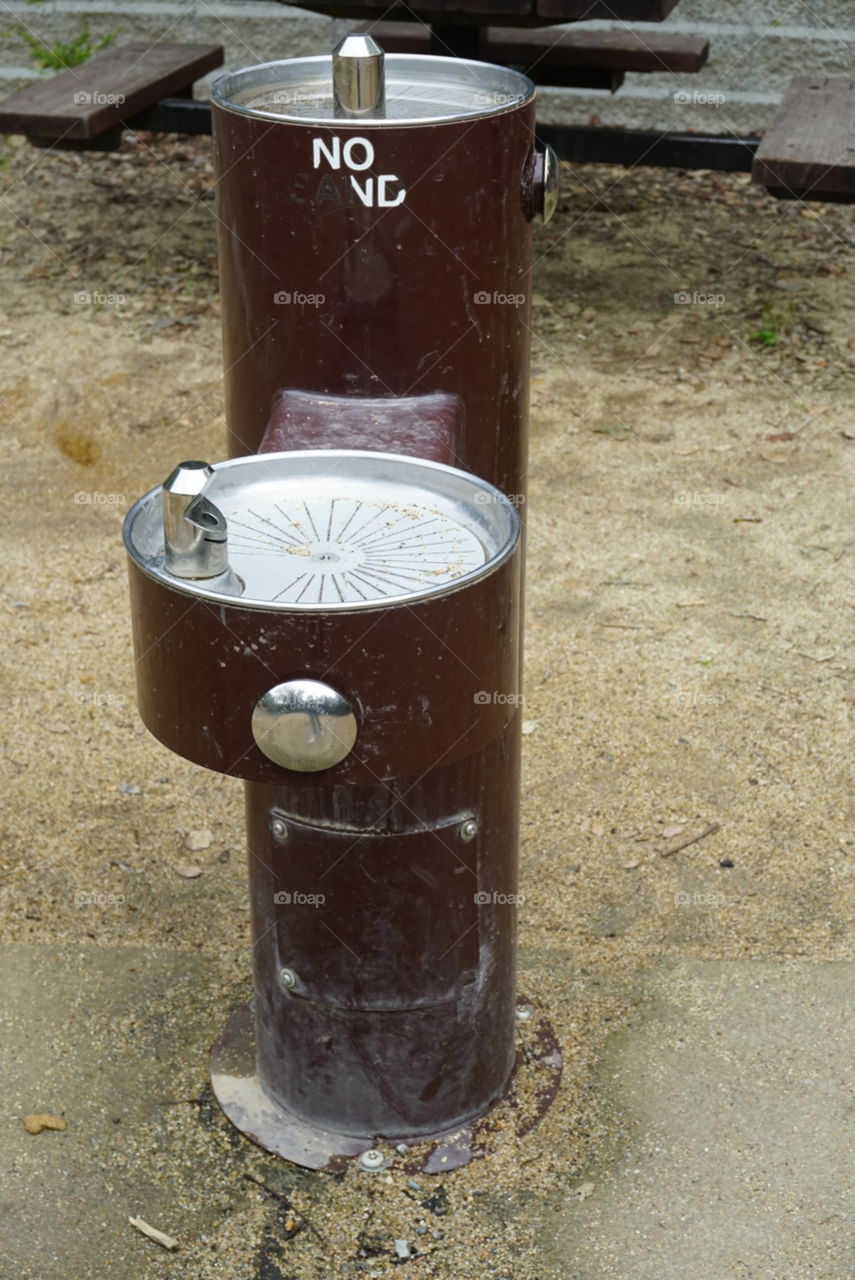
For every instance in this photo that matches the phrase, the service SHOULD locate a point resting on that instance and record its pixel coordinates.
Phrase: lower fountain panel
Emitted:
(385, 958)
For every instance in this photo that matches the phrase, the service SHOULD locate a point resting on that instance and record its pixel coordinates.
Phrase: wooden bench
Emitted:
(89, 103)
(809, 151)
(579, 58)
(138, 85)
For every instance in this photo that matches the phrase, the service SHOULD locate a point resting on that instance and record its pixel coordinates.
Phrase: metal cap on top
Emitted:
(359, 80)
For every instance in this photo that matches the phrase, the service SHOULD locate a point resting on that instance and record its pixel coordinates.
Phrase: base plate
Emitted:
(533, 1086)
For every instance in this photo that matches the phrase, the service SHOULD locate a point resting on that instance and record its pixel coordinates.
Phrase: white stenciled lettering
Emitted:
(384, 199)
(366, 192)
(357, 154)
(332, 154)
(365, 147)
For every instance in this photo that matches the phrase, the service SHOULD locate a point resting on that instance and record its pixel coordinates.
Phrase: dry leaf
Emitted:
(630, 866)
(585, 1190)
(670, 832)
(35, 1124)
(188, 870)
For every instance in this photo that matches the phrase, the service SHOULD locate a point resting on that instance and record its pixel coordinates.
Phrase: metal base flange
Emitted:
(533, 1086)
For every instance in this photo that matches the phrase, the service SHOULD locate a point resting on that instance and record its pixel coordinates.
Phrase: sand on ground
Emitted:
(688, 654)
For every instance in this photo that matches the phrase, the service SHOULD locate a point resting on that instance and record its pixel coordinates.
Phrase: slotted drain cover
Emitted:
(341, 529)
(339, 550)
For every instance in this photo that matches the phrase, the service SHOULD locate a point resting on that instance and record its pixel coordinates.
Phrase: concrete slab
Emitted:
(733, 1084)
(738, 1084)
(115, 1040)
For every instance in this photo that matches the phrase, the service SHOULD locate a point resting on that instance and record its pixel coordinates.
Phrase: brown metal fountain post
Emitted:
(380, 254)
(340, 626)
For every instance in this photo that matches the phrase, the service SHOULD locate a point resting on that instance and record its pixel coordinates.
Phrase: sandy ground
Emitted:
(688, 647)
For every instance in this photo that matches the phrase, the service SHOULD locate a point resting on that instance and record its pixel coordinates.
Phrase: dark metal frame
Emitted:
(589, 144)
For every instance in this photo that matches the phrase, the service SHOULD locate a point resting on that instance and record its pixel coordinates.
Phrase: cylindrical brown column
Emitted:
(322, 293)
(375, 290)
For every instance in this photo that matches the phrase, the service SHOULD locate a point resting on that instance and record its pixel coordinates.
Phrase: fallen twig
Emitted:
(302, 1220)
(264, 1187)
(791, 433)
(159, 1237)
(684, 844)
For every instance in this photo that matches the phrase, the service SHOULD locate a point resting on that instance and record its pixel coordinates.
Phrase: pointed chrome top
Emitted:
(358, 77)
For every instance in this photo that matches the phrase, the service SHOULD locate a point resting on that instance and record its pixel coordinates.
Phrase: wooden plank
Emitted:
(810, 147)
(518, 13)
(86, 100)
(545, 48)
(467, 12)
(606, 10)
(610, 50)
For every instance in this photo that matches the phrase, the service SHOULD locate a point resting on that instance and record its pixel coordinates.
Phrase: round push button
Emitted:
(304, 725)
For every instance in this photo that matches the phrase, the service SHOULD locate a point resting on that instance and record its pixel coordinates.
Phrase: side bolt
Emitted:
(371, 1161)
(287, 977)
(279, 829)
(468, 830)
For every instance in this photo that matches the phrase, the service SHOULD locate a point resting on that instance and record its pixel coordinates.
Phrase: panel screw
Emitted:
(372, 1160)
(287, 977)
(468, 830)
(279, 829)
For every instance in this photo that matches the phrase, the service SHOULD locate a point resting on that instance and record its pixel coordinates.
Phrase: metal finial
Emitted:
(359, 80)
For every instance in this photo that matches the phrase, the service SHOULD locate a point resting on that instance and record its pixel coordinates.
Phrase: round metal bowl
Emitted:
(333, 530)
(419, 90)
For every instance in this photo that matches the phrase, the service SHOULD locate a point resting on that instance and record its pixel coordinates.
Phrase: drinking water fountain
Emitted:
(333, 613)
